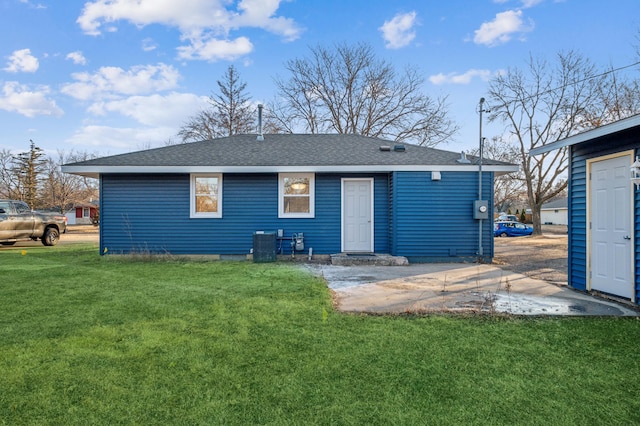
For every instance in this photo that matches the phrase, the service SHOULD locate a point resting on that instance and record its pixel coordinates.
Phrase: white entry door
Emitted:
(611, 233)
(357, 210)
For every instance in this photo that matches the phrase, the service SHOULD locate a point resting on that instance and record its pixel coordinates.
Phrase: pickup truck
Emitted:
(18, 222)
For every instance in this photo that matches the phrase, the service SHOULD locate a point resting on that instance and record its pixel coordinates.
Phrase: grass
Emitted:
(86, 339)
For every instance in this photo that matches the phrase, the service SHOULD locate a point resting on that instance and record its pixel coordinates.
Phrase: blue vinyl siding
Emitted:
(150, 213)
(433, 220)
(392, 217)
(579, 154)
(577, 205)
(414, 216)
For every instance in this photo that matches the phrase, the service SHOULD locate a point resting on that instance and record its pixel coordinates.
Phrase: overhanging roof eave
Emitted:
(598, 132)
(95, 171)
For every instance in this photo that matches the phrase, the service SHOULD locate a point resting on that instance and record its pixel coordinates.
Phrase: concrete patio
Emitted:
(458, 287)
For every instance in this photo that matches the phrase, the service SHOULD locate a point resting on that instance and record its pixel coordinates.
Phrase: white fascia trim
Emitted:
(96, 171)
(605, 130)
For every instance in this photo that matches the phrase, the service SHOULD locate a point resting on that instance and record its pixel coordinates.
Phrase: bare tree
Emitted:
(509, 189)
(62, 191)
(543, 104)
(348, 90)
(38, 180)
(230, 112)
(618, 98)
(546, 104)
(9, 185)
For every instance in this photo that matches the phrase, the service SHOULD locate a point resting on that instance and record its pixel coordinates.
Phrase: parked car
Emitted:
(18, 222)
(508, 218)
(511, 229)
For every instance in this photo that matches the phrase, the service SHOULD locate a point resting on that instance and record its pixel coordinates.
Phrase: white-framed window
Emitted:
(86, 212)
(296, 195)
(206, 195)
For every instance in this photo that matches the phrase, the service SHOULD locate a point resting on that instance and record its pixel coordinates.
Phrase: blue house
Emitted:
(604, 209)
(341, 193)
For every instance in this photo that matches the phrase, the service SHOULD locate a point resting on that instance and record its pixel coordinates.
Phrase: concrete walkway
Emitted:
(466, 287)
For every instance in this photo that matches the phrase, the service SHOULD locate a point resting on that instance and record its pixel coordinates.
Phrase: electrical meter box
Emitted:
(481, 209)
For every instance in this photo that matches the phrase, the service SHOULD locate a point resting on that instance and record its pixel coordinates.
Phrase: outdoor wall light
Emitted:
(635, 172)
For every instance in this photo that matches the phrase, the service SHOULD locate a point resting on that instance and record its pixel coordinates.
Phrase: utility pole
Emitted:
(481, 206)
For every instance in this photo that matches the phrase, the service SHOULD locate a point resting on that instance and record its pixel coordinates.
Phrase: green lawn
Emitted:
(86, 339)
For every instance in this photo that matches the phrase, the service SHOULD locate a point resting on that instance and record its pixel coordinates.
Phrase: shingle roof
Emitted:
(278, 151)
(562, 203)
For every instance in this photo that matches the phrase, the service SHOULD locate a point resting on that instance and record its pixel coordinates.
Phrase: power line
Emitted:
(611, 71)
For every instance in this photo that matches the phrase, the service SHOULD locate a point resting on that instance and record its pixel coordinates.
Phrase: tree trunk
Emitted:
(535, 219)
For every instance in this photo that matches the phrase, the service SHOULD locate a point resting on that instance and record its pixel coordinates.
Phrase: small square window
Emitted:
(206, 195)
(296, 195)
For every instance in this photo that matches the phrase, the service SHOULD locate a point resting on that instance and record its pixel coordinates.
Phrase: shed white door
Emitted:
(611, 234)
(357, 220)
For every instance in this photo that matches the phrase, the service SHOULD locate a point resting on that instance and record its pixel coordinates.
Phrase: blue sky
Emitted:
(113, 76)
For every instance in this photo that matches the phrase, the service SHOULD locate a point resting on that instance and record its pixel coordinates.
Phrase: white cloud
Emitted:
(501, 29)
(148, 45)
(187, 15)
(155, 110)
(120, 137)
(22, 61)
(160, 118)
(112, 82)
(530, 3)
(214, 50)
(398, 32)
(260, 14)
(204, 24)
(525, 3)
(453, 78)
(77, 57)
(20, 98)
(33, 6)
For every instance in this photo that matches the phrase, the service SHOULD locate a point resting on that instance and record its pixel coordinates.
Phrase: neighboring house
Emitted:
(555, 212)
(82, 214)
(604, 209)
(342, 193)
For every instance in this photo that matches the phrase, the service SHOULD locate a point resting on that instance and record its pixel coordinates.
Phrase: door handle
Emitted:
(627, 237)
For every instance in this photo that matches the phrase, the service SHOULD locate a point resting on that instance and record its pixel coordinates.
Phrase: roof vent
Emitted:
(463, 159)
(260, 135)
(385, 148)
(399, 148)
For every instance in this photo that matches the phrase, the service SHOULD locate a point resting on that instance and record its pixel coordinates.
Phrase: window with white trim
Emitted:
(296, 195)
(206, 195)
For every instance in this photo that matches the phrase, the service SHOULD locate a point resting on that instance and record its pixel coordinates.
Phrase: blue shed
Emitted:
(604, 209)
(341, 193)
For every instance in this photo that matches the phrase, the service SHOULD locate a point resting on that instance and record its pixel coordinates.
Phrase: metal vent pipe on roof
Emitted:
(463, 158)
(260, 135)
